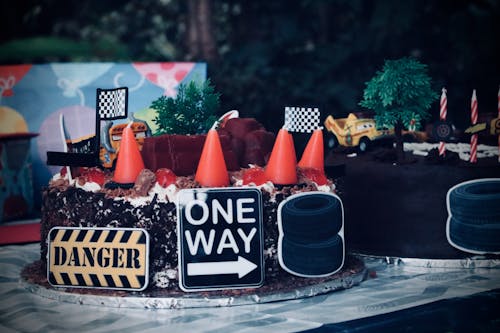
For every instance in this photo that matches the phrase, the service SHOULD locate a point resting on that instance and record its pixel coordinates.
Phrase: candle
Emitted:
(442, 115)
(498, 107)
(473, 118)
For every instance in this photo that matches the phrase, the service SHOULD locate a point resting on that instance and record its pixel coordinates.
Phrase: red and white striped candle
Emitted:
(498, 118)
(473, 119)
(442, 116)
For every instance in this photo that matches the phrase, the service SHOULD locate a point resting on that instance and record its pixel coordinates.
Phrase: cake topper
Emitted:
(110, 258)
(212, 170)
(282, 166)
(400, 93)
(221, 238)
(300, 119)
(473, 216)
(496, 124)
(313, 155)
(353, 132)
(311, 234)
(473, 120)
(192, 111)
(110, 104)
(443, 108)
(129, 163)
(492, 126)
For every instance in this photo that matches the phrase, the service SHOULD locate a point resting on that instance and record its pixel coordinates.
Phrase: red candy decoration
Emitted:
(315, 175)
(254, 175)
(165, 177)
(95, 175)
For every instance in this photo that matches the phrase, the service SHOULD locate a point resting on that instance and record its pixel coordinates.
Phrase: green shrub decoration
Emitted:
(191, 112)
(399, 93)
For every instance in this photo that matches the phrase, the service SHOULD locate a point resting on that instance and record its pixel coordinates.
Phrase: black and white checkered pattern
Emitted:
(299, 119)
(112, 103)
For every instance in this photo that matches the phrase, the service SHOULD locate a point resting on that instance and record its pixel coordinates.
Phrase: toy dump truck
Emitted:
(353, 132)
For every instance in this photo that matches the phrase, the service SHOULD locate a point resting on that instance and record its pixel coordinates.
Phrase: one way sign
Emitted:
(220, 238)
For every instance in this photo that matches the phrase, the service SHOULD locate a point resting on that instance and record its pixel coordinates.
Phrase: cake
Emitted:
(83, 202)
(92, 199)
(407, 216)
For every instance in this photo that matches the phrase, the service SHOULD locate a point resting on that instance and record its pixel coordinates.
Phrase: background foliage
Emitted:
(271, 54)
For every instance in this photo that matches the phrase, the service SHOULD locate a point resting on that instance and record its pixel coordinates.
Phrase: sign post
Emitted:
(220, 238)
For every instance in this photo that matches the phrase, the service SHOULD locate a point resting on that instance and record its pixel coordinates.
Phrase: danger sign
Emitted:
(220, 238)
(112, 258)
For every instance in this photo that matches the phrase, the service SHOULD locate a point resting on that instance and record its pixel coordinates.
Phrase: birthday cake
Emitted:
(407, 218)
(91, 199)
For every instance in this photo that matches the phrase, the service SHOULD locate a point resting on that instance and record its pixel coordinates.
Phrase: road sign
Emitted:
(110, 258)
(474, 129)
(220, 238)
(495, 126)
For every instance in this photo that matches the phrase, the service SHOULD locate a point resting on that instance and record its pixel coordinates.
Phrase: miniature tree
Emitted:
(400, 96)
(192, 111)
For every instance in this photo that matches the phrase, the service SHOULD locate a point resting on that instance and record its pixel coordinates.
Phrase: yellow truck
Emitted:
(353, 132)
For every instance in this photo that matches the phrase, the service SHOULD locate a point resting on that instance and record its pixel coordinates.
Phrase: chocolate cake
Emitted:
(400, 210)
(166, 183)
(86, 202)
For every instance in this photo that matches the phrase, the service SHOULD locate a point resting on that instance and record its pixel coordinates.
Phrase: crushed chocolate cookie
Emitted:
(144, 182)
(187, 182)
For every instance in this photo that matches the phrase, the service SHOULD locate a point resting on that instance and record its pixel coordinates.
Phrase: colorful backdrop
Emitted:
(40, 93)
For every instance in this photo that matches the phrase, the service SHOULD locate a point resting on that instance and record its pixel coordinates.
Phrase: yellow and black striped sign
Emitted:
(111, 258)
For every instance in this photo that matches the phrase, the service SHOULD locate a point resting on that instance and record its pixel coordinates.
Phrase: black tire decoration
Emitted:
(330, 141)
(311, 218)
(313, 259)
(476, 199)
(474, 216)
(311, 234)
(442, 130)
(482, 237)
(364, 144)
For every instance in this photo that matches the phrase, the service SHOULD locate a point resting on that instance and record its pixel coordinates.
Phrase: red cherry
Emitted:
(63, 172)
(315, 175)
(95, 175)
(165, 177)
(254, 175)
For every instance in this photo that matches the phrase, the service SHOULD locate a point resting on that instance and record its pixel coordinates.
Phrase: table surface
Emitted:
(392, 285)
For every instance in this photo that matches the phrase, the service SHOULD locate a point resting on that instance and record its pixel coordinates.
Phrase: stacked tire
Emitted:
(474, 216)
(311, 234)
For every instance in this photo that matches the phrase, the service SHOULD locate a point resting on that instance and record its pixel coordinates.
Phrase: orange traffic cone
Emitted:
(212, 170)
(129, 162)
(282, 166)
(313, 155)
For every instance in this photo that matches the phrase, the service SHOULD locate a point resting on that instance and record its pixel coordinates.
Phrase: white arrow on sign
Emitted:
(241, 267)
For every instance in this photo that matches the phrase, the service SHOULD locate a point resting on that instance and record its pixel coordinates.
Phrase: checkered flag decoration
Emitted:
(112, 103)
(304, 120)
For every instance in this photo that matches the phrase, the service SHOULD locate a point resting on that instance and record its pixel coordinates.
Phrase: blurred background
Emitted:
(265, 55)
